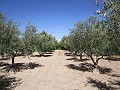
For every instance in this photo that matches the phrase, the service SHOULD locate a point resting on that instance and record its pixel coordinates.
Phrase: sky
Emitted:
(55, 17)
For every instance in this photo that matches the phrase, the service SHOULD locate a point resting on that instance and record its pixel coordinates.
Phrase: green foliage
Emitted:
(112, 10)
(94, 37)
(12, 38)
(65, 44)
(29, 39)
(77, 38)
(9, 37)
(58, 46)
(2, 34)
(45, 42)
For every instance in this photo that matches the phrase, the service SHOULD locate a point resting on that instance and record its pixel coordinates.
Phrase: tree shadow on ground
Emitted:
(100, 85)
(112, 58)
(88, 67)
(8, 83)
(5, 58)
(41, 55)
(71, 59)
(104, 70)
(3, 64)
(85, 67)
(114, 75)
(115, 83)
(47, 54)
(82, 60)
(17, 67)
(68, 54)
(78, 60)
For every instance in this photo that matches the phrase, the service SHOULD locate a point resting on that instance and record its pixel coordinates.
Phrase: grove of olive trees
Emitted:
(13, 42)
(96, 37)
(79, 61)
(93, 37)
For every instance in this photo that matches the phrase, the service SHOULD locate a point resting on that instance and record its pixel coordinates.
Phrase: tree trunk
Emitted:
(81, 56)
(74, 55)
(40, 54)
(13, 57)
(92, 59)
(97, 59)
(95, 62)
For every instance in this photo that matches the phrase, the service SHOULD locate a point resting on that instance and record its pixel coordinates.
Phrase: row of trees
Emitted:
(95, 37)
(13, 42)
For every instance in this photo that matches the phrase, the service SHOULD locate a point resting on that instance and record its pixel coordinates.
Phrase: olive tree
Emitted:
(2, 34)
(29, 39)
(77, 39)
(95, 39)
(10, 38)
(89, 37)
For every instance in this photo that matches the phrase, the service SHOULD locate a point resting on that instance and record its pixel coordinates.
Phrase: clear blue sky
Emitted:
(53, 16)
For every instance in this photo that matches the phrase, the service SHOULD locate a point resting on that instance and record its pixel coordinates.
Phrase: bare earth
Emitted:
(60, 72)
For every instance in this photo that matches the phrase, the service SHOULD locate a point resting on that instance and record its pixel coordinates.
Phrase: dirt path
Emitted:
(55, 75)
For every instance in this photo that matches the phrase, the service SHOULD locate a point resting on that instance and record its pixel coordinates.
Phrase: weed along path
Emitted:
(58, 71)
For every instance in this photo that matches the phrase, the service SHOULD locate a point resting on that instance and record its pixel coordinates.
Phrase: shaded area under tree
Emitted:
(68, 54)
(17, 67)
(44, 55)
(100, 85)
(78, 60)
(8, 83)
(88, 67)
(112, 58)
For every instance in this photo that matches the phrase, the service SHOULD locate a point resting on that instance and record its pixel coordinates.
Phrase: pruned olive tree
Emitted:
(95, 39)
(9, 38)
(89, 37)
(13, 40)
